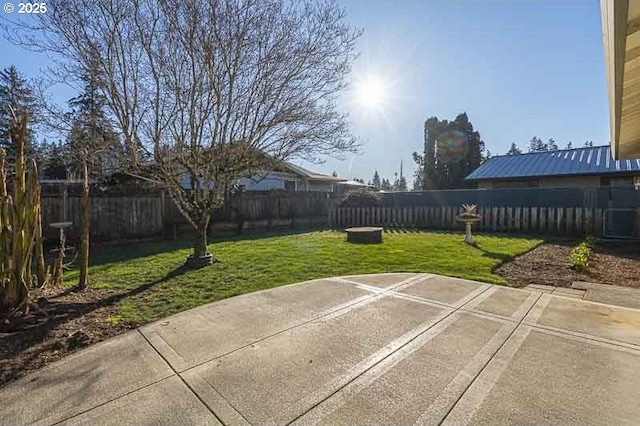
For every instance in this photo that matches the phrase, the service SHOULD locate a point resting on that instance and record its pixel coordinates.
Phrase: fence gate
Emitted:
(621, 223)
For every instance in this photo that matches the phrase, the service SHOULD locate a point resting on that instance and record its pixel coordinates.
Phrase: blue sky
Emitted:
(518, 68)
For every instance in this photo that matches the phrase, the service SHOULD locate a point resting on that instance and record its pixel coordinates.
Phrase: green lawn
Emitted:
(154, 285)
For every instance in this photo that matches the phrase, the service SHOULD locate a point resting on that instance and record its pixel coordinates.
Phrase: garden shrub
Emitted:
(361, 199)
(579, 257)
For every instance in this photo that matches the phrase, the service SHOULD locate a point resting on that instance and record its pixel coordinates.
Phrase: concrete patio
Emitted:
(385, 349)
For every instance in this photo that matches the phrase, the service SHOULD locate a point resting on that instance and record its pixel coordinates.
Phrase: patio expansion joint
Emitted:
(181, 378)
(454, 312)
(126, 393)
(339, 310)
(493, 370)
(516, 329)
(335, 311)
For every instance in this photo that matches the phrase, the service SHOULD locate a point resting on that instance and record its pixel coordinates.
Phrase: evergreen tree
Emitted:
(418, 175)
(55, 163)
(452, 151)
(386, 185)
(588, 144)
(334, 174)
(402, 184)
(376, 180)
(569, 145)
(552, 145)
(537, 145)
(91, 129)
(15, 92)
(514, 150)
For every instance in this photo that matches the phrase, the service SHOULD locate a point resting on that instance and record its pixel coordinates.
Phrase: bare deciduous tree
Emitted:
(210, 91)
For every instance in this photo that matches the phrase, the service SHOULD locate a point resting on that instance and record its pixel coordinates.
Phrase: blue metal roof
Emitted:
(595, 160)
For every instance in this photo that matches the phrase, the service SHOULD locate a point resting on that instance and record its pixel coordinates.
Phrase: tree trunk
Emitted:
(41, 269)
(200, 256)
(200, 243)
(83, 281)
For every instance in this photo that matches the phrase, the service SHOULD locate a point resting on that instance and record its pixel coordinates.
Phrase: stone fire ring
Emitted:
(364, 235)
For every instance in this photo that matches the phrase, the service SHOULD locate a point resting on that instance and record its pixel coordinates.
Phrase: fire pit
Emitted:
(364, 235)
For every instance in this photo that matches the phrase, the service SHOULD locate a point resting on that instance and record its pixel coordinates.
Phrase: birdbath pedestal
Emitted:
(61, 226)
(468, 220)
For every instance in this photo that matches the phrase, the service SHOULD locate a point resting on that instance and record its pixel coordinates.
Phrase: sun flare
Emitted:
(370, 92)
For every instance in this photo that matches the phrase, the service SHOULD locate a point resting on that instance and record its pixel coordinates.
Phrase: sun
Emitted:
(370, 92)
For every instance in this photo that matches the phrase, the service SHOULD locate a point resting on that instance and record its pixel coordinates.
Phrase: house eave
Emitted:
(621, 41)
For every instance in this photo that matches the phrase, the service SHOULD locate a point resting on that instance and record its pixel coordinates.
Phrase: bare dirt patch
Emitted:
(615, 263)
(60, 322)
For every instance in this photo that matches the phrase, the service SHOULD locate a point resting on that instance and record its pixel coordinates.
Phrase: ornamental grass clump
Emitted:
(21, 253)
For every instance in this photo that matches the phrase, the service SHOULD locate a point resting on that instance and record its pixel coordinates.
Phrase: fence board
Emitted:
(561, 220)
(598, 221)
(551, 218)
(569, 220)
(542, 219)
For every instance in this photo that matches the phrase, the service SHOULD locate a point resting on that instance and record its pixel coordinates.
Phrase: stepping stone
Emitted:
(569, 292)
(610, 294)
(540, 287)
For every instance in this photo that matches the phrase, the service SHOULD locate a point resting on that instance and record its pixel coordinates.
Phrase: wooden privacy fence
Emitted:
(257, 206)
(112, 218)
(119, 217)
(561, 220)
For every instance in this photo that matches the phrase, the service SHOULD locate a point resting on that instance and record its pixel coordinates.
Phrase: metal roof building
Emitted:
(571, 167)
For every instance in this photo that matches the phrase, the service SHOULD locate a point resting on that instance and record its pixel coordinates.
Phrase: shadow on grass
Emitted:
(101, 255)
(500, 257)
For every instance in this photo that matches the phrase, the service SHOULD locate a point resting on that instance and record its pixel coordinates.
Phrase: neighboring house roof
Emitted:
(310, 175)
(289, 167)
(595, 160)
(355, 183)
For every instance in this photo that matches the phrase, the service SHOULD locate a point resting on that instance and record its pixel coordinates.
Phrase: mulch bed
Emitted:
(615, 263)
(60, 322)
